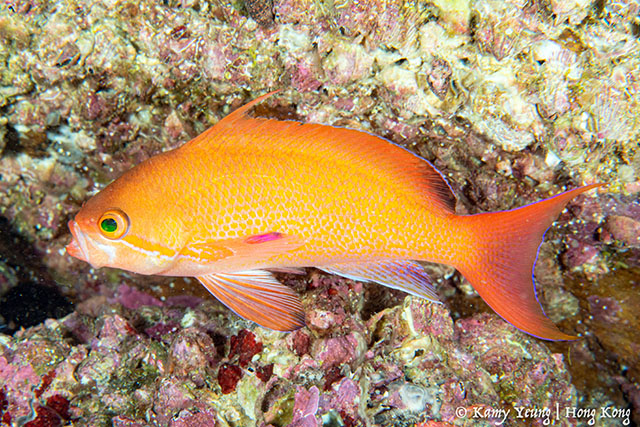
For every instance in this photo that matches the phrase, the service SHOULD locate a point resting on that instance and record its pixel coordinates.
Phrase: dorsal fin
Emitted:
(242, 111)
(405, 169)
(206, 136)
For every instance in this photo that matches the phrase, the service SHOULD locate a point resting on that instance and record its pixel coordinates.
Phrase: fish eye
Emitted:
(114, 224)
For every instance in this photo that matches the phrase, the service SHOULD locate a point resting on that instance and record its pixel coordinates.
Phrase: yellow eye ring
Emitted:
(113, 224)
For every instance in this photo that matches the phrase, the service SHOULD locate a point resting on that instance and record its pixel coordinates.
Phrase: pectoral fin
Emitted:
(406, 276)
(205, 253)
(257, 296)
(243, 250)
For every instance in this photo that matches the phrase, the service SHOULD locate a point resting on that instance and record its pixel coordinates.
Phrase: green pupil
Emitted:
(109, 225)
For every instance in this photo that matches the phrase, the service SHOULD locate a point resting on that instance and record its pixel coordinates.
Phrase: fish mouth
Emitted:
(78, 247)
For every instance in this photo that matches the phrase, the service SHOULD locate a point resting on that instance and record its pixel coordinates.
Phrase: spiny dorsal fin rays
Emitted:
(208, 136)
(241, 112)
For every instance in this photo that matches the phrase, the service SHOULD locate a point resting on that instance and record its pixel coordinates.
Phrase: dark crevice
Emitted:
(36, 296)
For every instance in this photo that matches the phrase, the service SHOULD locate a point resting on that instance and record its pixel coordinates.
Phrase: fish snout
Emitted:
(78, 246)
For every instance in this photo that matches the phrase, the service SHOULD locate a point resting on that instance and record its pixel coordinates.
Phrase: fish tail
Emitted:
(499, 254)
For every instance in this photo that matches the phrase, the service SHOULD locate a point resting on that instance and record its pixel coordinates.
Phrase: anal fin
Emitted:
(257, 296)
(406, 276)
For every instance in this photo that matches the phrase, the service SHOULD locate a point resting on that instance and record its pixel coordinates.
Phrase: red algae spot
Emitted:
(264, 372)
(46, 382)
(245, 346)
(59, 404)
(228, 377)
(334, 374)
(46, 417)
(300, 343)
(4, 404)
(348, 420)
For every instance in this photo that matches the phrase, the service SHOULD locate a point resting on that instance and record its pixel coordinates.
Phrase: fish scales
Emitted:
(349, 210)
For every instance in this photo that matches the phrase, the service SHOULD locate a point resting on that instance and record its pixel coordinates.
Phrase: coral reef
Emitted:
(108, 363)
(512, 101)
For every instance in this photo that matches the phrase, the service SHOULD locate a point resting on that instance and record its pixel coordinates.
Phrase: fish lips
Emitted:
(78, 247)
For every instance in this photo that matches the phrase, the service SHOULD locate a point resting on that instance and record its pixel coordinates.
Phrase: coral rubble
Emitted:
(107, 359)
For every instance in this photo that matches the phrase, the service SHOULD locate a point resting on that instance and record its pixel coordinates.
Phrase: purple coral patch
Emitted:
(306, 407)
(132, 298)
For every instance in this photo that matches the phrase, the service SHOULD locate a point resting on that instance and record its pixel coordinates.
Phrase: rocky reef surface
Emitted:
(130, 359)
(512, 101)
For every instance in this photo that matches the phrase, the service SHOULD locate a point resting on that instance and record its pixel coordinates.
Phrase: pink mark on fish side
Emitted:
(263, 238)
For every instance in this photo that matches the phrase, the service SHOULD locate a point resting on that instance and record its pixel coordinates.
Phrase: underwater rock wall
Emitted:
(186, 362)
(511, 101)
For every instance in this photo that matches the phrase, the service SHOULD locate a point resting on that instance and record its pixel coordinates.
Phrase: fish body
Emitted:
(253, 194)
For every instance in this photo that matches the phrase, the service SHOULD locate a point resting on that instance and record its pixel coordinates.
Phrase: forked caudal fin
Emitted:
(500, 264)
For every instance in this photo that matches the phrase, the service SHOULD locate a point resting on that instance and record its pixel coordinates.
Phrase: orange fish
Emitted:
(251, 195)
